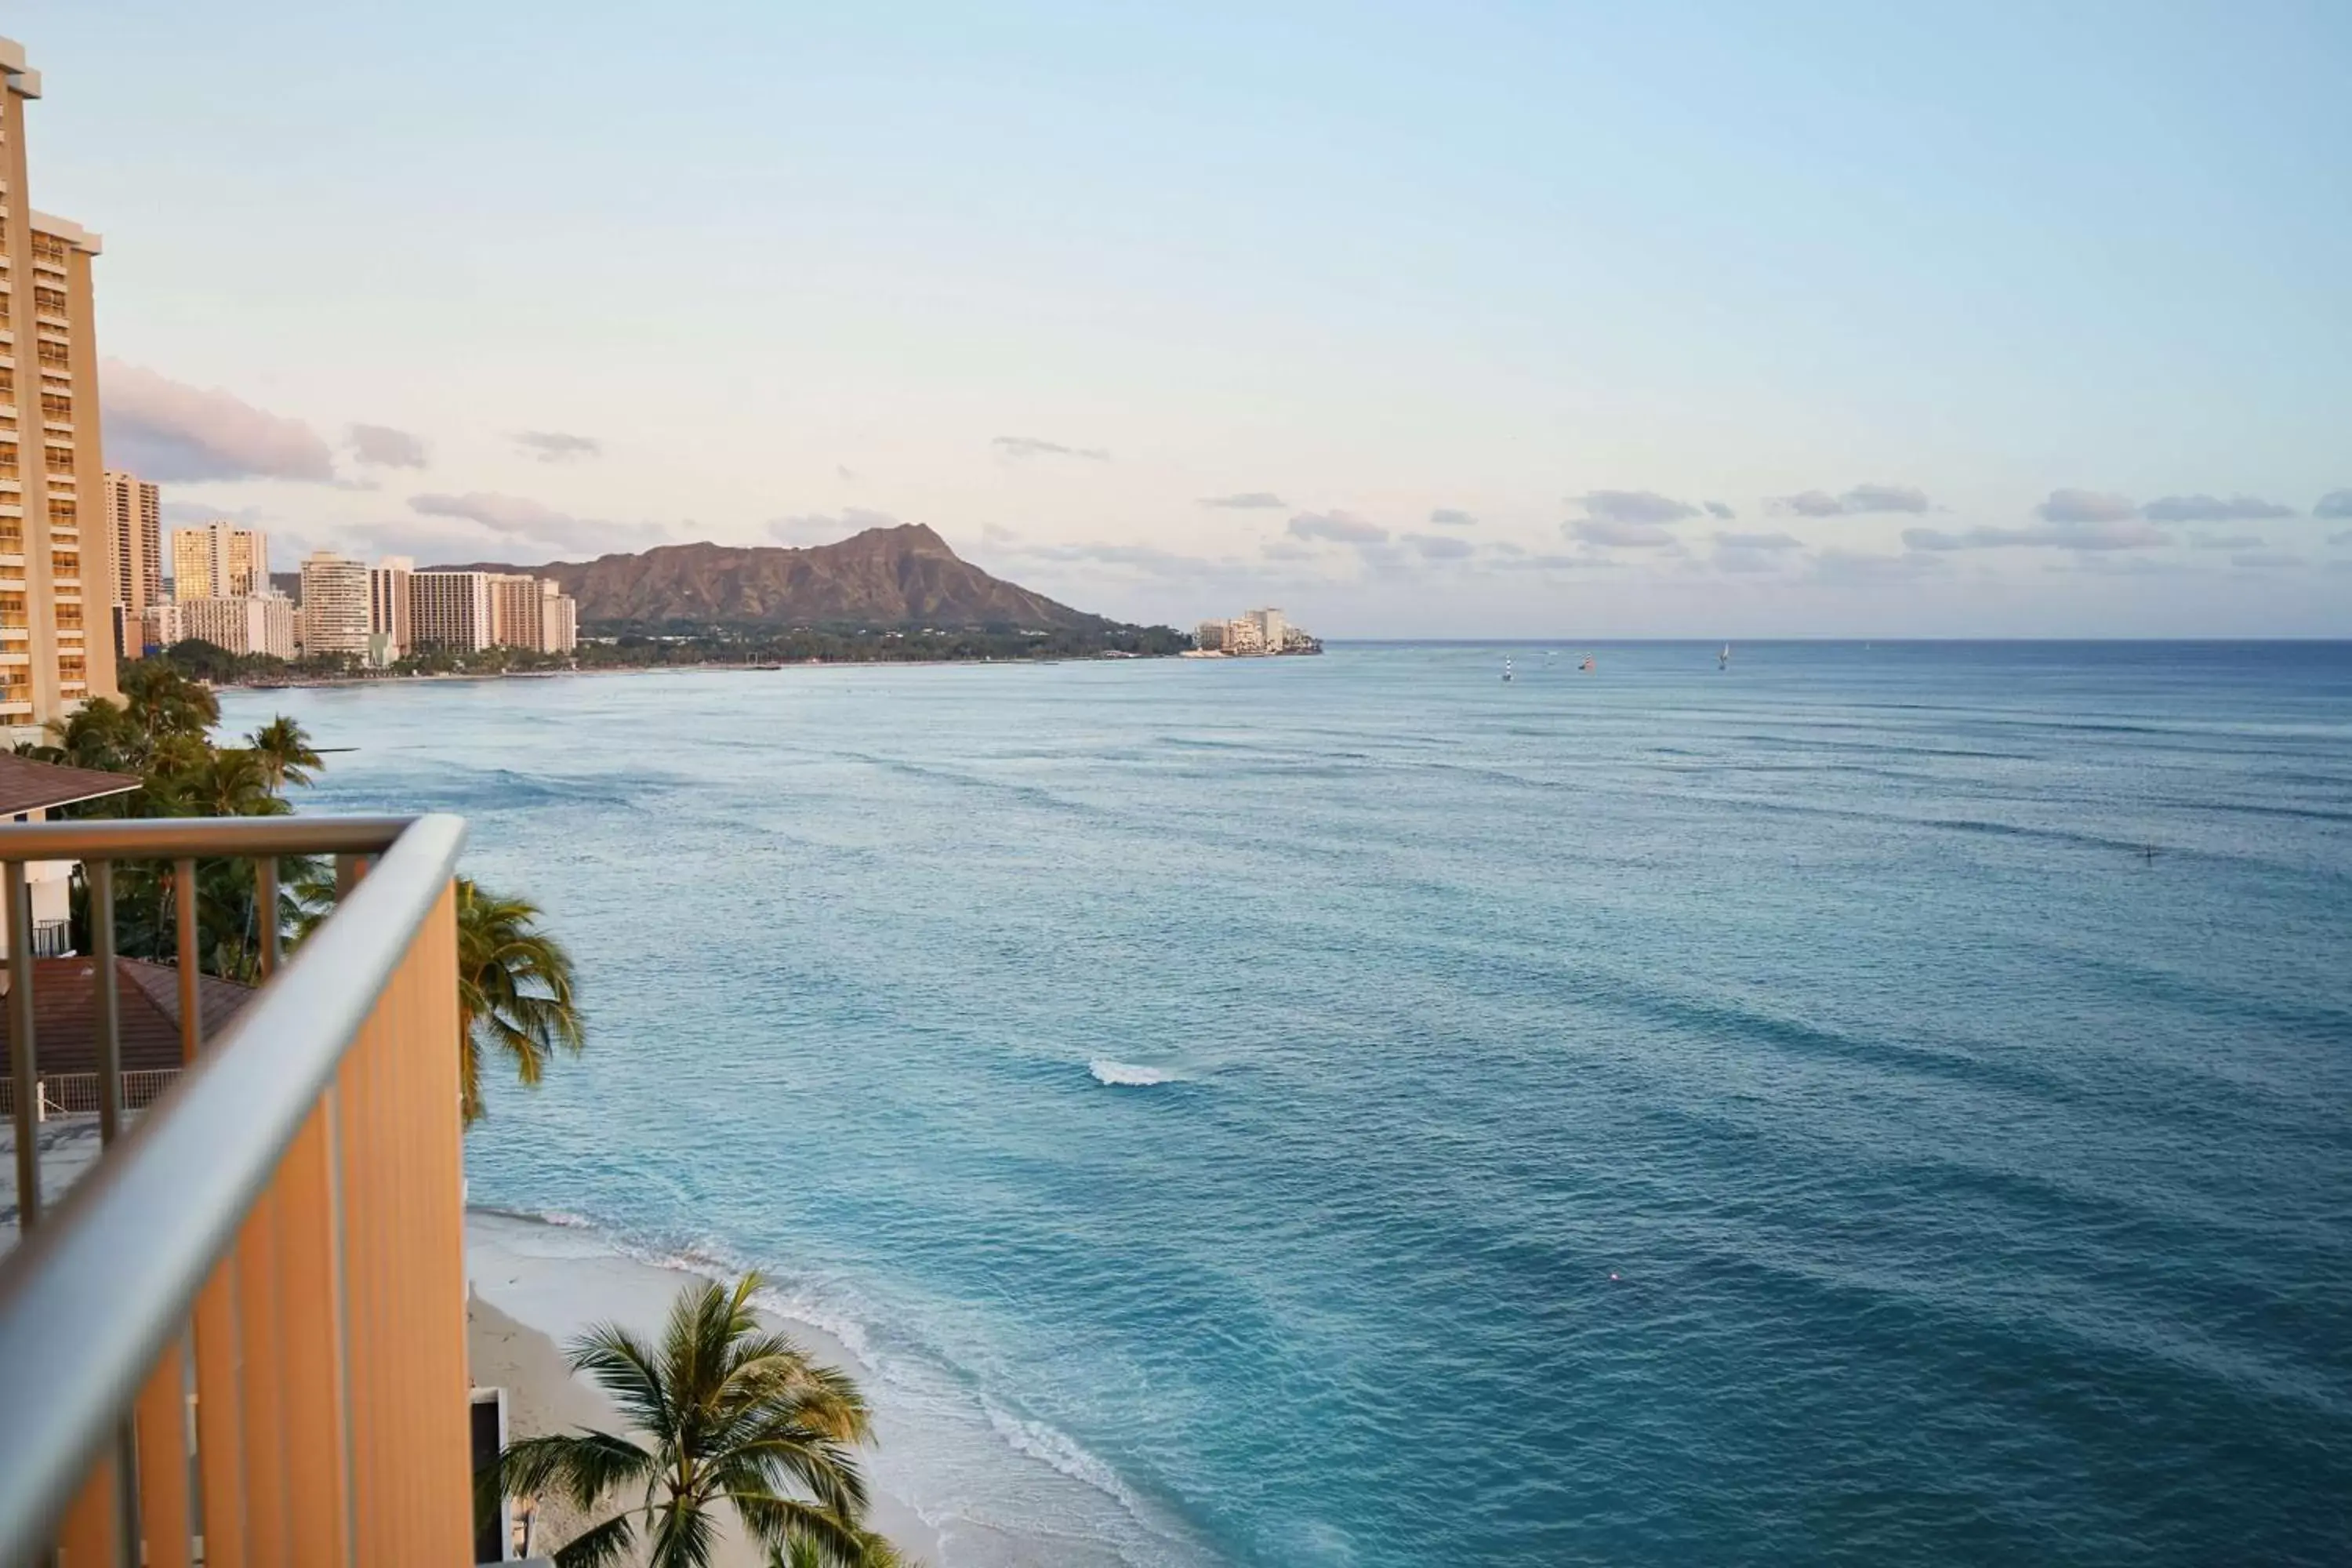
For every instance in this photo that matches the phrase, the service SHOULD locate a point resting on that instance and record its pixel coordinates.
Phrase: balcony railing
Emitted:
(275, 1249)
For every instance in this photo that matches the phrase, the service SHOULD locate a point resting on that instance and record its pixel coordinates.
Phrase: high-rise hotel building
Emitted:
(56, 547)
(219, 561)
(135, 509)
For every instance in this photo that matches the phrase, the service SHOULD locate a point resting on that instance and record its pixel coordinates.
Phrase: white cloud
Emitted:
(558, 446)
(509, 518)
(1344, 528)
(170, 432)
(1613, 533)
(2112, 534)
(383, 447)
(1031, 447)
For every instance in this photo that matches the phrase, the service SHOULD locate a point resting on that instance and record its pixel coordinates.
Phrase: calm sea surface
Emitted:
(1355, 1112)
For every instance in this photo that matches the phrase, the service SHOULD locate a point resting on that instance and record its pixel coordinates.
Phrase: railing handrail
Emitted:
(91, 1298)
(200, 837)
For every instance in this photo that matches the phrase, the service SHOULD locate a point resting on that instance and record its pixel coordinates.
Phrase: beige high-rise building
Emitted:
(334, 604)
(559, 618)
(449, 610)
(219, 561)
(242, 623)
(533, 613)
(514, 609)
(135, 508)
(388, 603)
(57, 559)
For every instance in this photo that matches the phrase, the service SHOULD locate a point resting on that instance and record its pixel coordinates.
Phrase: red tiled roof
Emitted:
(65, 1020)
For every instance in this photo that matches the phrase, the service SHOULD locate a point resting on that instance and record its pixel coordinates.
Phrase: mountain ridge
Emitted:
(905, 575)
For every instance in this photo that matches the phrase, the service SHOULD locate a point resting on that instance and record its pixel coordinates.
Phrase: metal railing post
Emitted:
(22, 1070)
(105, 1001)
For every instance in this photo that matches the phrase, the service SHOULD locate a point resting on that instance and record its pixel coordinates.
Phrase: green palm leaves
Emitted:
(514, 990)
(726, 1415)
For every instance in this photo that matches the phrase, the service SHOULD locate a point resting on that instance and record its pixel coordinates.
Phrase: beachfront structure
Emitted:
(160, 625)
(135, 510)
(219, 561)
(259, 623)
(240, 1337)
(559, 618)
(57, 559)
(1255, 633)
(470, 611)
(335, 617)
(532, 613)
(449, 610)
(30, 791)
(388, 617)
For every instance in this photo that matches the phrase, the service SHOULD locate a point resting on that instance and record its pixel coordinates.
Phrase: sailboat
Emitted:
(1723, 659)
(1506, 669)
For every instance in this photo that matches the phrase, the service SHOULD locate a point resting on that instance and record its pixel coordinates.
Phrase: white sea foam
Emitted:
(1061, 1451)
(1127, 1075)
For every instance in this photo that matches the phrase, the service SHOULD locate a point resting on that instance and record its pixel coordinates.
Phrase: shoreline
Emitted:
(334, 682)
(532, 1285)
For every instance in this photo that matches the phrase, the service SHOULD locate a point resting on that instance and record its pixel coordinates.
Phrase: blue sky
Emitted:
(1980, 320)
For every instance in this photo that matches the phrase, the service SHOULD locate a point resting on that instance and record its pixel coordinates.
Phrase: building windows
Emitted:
(55, 407)
(54, 354)
(61, 459)
(53, 301)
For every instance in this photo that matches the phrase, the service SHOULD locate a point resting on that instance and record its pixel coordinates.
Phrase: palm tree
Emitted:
(873, 1550)
(727, 1411)
(514, 990)
(286, 753)
(161, 702)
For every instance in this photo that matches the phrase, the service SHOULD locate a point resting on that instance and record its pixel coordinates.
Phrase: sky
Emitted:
(1442, 320)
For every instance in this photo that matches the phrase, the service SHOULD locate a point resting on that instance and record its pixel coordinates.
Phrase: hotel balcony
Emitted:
(236, 1334)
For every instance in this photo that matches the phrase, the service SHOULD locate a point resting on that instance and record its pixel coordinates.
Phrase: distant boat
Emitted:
(1587, 664)
(1723, 659)
(1506, 669)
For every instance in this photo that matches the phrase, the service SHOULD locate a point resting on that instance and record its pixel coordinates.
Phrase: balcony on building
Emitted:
(232, 1285)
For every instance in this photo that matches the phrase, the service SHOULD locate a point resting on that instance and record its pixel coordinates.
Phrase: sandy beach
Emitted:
(535, 1286)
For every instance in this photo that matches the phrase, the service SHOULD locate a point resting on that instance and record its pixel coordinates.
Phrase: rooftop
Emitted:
(27, 786)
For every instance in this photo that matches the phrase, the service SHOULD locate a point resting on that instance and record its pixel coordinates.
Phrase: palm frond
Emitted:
(583, 1465)
(608, 1543)
(624, 1369)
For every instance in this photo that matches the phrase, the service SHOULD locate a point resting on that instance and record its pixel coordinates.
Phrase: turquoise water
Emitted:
(1354, 1111)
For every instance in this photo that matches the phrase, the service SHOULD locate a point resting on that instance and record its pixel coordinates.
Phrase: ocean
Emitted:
(1878, 1104)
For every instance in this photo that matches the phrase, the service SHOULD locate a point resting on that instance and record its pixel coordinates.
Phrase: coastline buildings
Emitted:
(466, 611)
(135, 509)
(388, 619)
(533, 613)
(377, 615)
(1253, 634)
(57, 559)
(219, 561)
(335, 613)
(449, 610)
(250, 623)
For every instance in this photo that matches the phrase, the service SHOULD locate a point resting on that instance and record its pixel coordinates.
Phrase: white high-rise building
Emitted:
(388, 614)
(334, 604)
(449, 610)
(246, 623)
